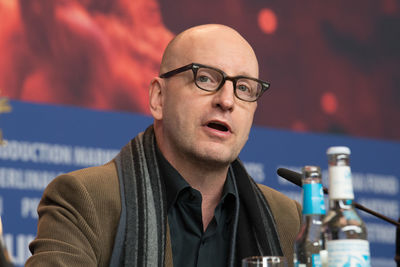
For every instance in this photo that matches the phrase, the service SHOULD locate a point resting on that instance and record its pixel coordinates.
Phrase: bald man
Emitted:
(177, 194)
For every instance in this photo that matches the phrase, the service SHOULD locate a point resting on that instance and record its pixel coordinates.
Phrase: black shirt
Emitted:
(191, 246)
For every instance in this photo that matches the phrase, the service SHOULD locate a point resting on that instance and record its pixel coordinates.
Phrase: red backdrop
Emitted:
(333, 67)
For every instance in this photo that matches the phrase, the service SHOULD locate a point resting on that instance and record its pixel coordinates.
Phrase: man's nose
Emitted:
(225, 96)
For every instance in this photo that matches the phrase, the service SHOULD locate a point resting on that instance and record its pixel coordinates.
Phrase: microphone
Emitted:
(295, 178)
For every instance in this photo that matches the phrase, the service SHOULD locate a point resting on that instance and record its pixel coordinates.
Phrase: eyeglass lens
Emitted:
(210, 80)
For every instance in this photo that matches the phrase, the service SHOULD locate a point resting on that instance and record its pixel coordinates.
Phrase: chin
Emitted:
(216, 158)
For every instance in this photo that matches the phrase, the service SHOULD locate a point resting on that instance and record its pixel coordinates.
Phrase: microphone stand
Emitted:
(389, 220)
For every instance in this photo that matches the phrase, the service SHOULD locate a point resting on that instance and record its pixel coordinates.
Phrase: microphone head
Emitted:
(291, 176)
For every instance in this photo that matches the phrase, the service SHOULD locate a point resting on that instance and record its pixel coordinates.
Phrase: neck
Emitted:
(209, 182)
(206, 177)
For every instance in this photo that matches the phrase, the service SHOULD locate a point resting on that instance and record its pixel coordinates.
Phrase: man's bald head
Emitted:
(195, 41)
(185, 115)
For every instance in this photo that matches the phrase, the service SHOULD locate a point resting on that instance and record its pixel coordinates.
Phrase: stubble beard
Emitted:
(206, 158)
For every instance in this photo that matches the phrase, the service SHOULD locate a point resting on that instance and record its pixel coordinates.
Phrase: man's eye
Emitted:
(243, 88)
(203, 79)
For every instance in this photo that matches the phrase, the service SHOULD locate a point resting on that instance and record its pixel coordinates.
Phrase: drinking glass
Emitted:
(264, 261)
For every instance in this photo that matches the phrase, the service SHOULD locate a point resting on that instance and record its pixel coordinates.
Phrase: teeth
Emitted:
(218, 126)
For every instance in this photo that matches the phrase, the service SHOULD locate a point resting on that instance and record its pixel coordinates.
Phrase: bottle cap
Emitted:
(311, 172)
(311, 168)
(338, 150)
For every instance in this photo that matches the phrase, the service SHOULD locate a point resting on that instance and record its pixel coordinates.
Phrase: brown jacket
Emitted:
(73, 234)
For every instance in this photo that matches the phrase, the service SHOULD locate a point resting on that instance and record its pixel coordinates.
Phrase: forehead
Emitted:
(223, 49)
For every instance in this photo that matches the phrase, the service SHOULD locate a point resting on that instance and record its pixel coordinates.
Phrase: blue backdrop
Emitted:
(44, 141)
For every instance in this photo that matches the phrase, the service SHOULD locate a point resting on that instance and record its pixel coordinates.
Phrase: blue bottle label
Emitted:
(316, 260)
(313, 199)
(348, 252)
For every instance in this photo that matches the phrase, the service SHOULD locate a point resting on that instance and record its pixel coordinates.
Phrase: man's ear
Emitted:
(156, 98)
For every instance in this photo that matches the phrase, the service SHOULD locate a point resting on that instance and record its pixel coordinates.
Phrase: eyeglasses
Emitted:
(211, 79)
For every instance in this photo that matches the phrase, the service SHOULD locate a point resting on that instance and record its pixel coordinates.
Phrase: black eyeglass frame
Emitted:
(196, 66)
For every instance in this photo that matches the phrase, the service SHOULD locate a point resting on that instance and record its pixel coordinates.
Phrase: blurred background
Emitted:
(334, 67)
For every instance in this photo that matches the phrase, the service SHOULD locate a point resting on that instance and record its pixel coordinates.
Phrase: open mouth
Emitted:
(218, 126)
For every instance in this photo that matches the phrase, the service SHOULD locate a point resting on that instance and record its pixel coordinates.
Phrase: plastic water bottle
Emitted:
(345, 232)
(309, 241)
